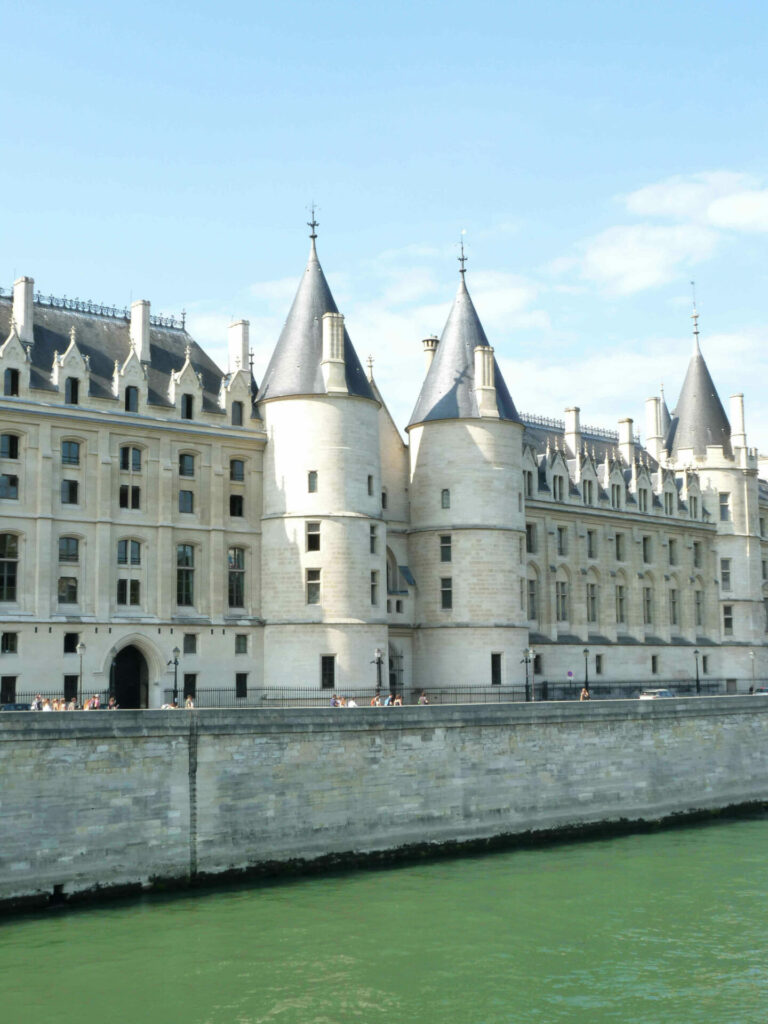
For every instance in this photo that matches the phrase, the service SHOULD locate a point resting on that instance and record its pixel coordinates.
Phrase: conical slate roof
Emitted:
(448, 391)
(294, 368)
(699, 419)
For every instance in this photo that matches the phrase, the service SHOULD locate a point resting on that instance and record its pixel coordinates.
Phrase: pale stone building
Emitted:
(163, 520)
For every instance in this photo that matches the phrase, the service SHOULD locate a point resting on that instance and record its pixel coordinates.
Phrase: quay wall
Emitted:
(98, 801)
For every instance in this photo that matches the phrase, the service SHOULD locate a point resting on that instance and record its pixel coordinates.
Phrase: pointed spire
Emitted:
(462, 259)
(294, 368)
(448, 391)
(695, 318)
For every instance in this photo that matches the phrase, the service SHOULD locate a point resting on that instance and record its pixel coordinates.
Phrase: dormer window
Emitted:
(11, 383)
(558, 488)
(642, 499)
(187, 407)
(587, 490)
(615, 495)
(131, 399)
(237, 414)
(72, 391)
(669, 503)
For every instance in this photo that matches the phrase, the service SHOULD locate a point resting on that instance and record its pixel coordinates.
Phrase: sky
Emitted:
(597, 156)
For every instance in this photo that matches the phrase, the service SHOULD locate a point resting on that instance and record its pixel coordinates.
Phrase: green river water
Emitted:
(668, 926)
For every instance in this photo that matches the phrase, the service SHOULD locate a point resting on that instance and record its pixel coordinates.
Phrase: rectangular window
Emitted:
(241, 643)
(669, 503)
(616, 495)
(532, 603)
(241, 685)
(9, 486)
(619, 547)
(673, 608)
(236, 470)
(185, 575)
(190, 685)
(705, 663)
(697, 554)
(765, 569)
(591, 544)
(69, 549)
(621, 604)
(587, 491)
(130, 459)
(725, 573)
(728, 619)
(313, 537)
(9, 446)
(561, 601)
(70, 687)
(647, 606)
(9, 643)
(68, 492)
(725, 507)
(591, 602)
(9, 554)
(647, 549)
(562, 540)
(445, 548)
(528, 481)
(236, 506)
(131, 399)
(698, 606)
(72, 391)
(186, 501)
(7, 687)
(237, 414)
(71, 641)
(236, 568)
(445, 498)
(655, 664)
(384, 501)
(128, 549)
(11, 383)
(129, 497)
(70, 453)
(373, 540)
(762, 526)
(190, 643)
(328, 671)
(374, 587)
(598, 664)
(128, 592)
(530, 538)
(370, 486)
(67, 590)
(672, 552)
(642, 499)
(446, 592)
(495, 669)
(187, 407)
(312, 481)
(186, 465)
(313, 586)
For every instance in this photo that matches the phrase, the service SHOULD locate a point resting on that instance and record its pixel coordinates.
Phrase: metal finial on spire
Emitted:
(370, 367)
(462, 259)
(313, 224)
(695, 317)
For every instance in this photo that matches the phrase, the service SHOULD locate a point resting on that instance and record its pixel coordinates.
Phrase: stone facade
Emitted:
(280, 534)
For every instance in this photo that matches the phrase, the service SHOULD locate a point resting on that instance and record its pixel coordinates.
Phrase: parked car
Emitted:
(761, 691)
(14, 707)
(655, 694)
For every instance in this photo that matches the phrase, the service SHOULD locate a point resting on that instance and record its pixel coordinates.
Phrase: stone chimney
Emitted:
(239, 347)
(23, 299)
(430, 347)
(653, 438)
(485, 382)
(572, 435)
(332, 365)
(738, 433)
(140, 329)
(627, 441)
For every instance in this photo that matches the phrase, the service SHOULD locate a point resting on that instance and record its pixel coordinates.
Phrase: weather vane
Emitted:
(313, 224)
(462, 259)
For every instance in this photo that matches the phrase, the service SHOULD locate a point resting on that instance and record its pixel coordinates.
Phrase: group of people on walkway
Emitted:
(189, 703)
(392, 700)
(93, 703)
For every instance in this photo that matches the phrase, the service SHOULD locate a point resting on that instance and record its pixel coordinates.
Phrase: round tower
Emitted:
(467, 517)
(323, 563)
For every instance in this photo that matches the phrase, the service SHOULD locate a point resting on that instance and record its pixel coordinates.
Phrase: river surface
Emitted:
(663, 927)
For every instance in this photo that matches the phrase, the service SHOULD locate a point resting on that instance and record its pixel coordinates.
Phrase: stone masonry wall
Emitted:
(134, 798)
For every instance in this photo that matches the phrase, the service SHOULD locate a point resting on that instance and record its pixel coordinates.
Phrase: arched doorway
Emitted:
(129, 678)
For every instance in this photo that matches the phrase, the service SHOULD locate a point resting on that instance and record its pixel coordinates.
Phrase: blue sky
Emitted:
(598, 155)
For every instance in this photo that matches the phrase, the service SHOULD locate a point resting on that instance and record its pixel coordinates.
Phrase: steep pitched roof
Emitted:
(448, 391)
(104, 339)
(294, 368)
(699, 419)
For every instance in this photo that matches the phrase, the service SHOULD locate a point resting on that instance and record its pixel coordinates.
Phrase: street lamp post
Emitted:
(585, 652)
(752, 662)
(532, 656)
(81, 651)
(378, 657)
(698, 683)
(526, 662)
(176, 653)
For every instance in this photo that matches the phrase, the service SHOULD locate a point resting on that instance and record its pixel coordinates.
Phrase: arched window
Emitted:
(69, 549)
(9, 563)
(236, 469)
(236, 581)
(70, 453)
(445, 498)
(129, 552)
